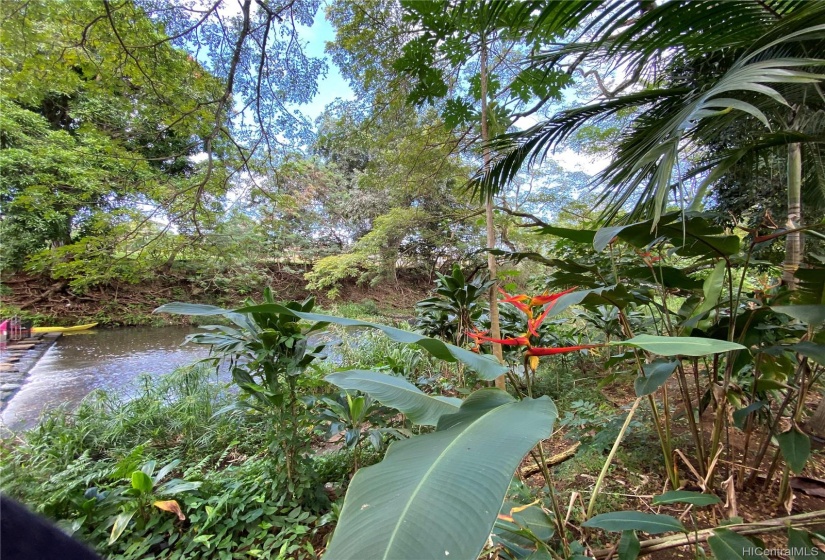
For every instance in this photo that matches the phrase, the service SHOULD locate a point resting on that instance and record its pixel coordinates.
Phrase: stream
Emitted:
(108, 359)
(111, 360)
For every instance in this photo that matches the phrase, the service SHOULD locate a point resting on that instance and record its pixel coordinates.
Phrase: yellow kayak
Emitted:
(63, 329)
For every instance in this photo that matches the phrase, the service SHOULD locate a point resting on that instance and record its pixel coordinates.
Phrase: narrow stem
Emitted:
(557, 513)
(663, 440)
(529, 380)
(784, 487)
(771, 470)
(666, 412)
(697, 435)
(771, 427)
(667, 451)
(610, 456)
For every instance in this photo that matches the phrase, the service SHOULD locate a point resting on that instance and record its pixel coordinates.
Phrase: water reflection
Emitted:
(104, 359)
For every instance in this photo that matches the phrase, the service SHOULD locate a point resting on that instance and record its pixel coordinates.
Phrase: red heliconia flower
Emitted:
(526, 303)
(475, 335)
(515, 341)
(548, 298)
(560, 350)
(649, 258)
(520, 301)
(534, 324)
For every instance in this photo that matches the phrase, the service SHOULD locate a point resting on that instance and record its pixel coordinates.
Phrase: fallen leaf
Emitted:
(171, 506)
(730, 496)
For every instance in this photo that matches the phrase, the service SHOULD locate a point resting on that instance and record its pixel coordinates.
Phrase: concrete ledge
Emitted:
(17, 359)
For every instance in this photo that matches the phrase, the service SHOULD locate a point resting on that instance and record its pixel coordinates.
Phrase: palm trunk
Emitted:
(495, 329)
(793, 242)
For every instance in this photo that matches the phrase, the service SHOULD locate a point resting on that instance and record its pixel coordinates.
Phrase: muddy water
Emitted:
(108, 359)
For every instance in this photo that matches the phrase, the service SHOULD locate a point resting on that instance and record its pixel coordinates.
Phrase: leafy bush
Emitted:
(456, 308)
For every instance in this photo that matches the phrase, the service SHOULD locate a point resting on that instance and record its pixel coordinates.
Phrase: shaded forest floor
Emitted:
(123, 304)
(637, 473)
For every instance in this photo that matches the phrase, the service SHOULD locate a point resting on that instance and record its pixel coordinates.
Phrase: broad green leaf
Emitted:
(811, 285)
(618, 521)
(629, 546)
(141, 481)
(518, 256)
(165, 470)
(796, 448)
(201, 310)
(692, 238)
(811, 315)
(712, 289)
(397, 393)
(728, 545)
(177, 486)
(812, 350)
(800, 545)
(539, 523)
(421, 501)
(679, 345)
(605, 235)
(739, 416)
(121, 522)
(618, 296)
(149, 467)
(487, 367)
(686, 497)
(577, 235)
(656, 374)
(523, 530)
(571, 299)
(668, 276)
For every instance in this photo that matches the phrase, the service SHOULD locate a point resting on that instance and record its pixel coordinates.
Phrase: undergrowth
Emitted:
(75, 469)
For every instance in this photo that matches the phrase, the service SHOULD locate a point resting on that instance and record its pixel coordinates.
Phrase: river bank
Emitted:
(53, 302)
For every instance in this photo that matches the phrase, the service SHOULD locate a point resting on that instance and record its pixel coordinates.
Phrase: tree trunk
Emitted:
(495, 329)
(793, 242)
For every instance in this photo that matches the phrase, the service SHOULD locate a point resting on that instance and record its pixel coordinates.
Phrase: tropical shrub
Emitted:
(266, 352)
(456, 308)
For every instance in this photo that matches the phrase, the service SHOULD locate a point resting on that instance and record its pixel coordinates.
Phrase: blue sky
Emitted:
(334, 85)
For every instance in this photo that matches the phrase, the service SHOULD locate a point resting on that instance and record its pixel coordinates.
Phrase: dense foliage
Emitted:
(149, 137)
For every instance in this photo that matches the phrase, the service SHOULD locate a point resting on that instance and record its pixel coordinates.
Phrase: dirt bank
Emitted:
(120, 303)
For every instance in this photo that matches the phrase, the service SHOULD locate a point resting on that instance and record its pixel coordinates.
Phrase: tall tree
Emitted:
(768, 71)
(165, 105)
(86, 140)
(396, 194)
(460, 64)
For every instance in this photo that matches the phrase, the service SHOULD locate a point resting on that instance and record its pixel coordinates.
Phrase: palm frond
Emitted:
(648, 156)
(532, 145)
